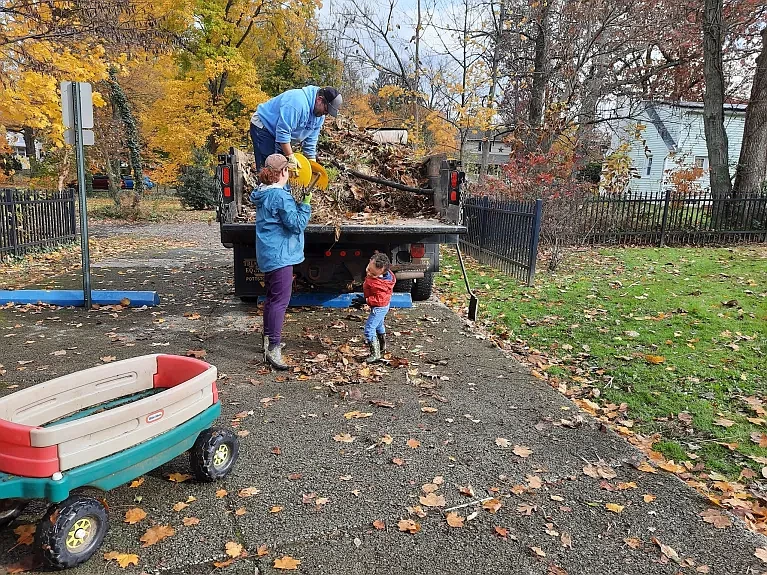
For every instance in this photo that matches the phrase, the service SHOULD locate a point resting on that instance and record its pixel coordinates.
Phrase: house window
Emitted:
(701, 162)
(479, 146)
(648, 168)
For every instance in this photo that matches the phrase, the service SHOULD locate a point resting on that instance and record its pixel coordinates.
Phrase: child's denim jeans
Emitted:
(375, 322)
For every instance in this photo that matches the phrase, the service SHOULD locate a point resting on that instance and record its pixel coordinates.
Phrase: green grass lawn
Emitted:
(666, 331)
(155, 208)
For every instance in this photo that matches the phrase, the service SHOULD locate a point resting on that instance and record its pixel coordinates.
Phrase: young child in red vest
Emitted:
(378, 287)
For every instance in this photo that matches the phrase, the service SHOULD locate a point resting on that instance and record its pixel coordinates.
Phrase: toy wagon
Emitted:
(103, 427)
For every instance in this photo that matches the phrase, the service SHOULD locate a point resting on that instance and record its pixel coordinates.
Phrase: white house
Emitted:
(16, 142)
(669, 136)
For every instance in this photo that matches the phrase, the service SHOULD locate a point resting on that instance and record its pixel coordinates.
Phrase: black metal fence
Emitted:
(667, 219)
(503, 233)
(30, 219)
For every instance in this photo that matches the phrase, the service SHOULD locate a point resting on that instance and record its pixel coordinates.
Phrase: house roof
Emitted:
(499, 133)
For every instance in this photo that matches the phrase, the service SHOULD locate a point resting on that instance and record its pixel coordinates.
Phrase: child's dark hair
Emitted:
(381, 261)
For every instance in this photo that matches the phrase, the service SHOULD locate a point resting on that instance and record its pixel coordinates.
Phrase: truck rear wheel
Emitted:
(403, 286)
(10, 509)
(422, 288)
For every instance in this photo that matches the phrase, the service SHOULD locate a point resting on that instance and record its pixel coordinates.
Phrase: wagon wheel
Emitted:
(214, 454)
(71, 531)
(10, 509)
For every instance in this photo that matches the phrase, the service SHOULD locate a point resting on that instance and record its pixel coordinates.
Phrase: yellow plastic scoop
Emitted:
(319, 176)
(303, 176)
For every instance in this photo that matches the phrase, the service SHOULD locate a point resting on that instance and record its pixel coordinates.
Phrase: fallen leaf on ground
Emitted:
(248, 492)
(223, 564)
(196, 353)
(468, 490)
(537, 551)
(108, 358)
(321, 501)
(137, 482)
(240, 512)
(629, 485)
(189, 521)
(761, 553)
(417, 510)
(722, 422)
(502, 442)
(599, 471)
(759, 438)
(655, 359)
(387, 439)
(408, 526)
(287, 563)
(156, 534)
(556, 570)
(295, 476)
(614, 507)
(180, 506)
(522, 451)
(179, 477)
(134, 515)
(344, 438)
(262, 551)
(633, 542)
(454, 520)
(646, 467)
(526, 508)
(429, 487)
(378, 524)
(398, 461)
(648, 498)
(566, 539)
(221, 493)
(716, 518)
(534, 481)
(413, 443)
(492, 505)
(233, 549)
(669, 552)
(356, 414)
(432, 500)
(26, 534)
(122, 559)
(501, 532)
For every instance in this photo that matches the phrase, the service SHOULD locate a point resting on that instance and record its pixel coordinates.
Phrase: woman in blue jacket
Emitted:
(280, 225)
(293, 116)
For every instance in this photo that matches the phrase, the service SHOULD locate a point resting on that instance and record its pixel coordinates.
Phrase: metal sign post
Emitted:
(77, 111)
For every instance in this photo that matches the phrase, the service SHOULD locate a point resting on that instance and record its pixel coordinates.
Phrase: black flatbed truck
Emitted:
(335, 258)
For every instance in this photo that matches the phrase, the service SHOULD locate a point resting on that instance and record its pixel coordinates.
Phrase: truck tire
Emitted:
(403, 286)
(214, 454)
(71, 531)
(422, 287)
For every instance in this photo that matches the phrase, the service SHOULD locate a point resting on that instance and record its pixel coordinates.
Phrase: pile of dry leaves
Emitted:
(350, 199)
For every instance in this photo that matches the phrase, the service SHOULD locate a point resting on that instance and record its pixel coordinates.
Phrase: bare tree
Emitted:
(713, 101)
(751, 172)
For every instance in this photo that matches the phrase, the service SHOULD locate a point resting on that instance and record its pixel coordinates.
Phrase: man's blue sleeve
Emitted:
(287, 121)
(294, 216)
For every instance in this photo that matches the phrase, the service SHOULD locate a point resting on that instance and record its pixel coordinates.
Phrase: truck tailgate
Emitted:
(398, 232)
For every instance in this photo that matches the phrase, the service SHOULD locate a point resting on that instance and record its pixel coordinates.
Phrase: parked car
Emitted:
(128, 182)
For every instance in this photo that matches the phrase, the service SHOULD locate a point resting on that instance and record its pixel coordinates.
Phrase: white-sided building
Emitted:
(669, 136)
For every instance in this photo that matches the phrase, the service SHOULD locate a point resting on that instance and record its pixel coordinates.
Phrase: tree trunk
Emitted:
(540, 77)
(713, 108)
(29, 143)
(120, 101)
(488, 135)
(751, 172)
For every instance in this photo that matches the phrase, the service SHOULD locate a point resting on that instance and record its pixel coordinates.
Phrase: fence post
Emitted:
(664, 221)
(72, 220)
(483, 220)
(536, 229)
(13, 224)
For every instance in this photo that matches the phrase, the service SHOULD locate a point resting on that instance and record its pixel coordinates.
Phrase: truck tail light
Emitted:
(417, 251)
(226, 181)
(215, 393)
(454, 193)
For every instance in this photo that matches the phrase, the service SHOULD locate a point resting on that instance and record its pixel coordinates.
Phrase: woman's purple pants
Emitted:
(279, 284)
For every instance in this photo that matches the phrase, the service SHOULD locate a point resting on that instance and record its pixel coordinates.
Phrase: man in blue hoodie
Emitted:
(295, 116)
